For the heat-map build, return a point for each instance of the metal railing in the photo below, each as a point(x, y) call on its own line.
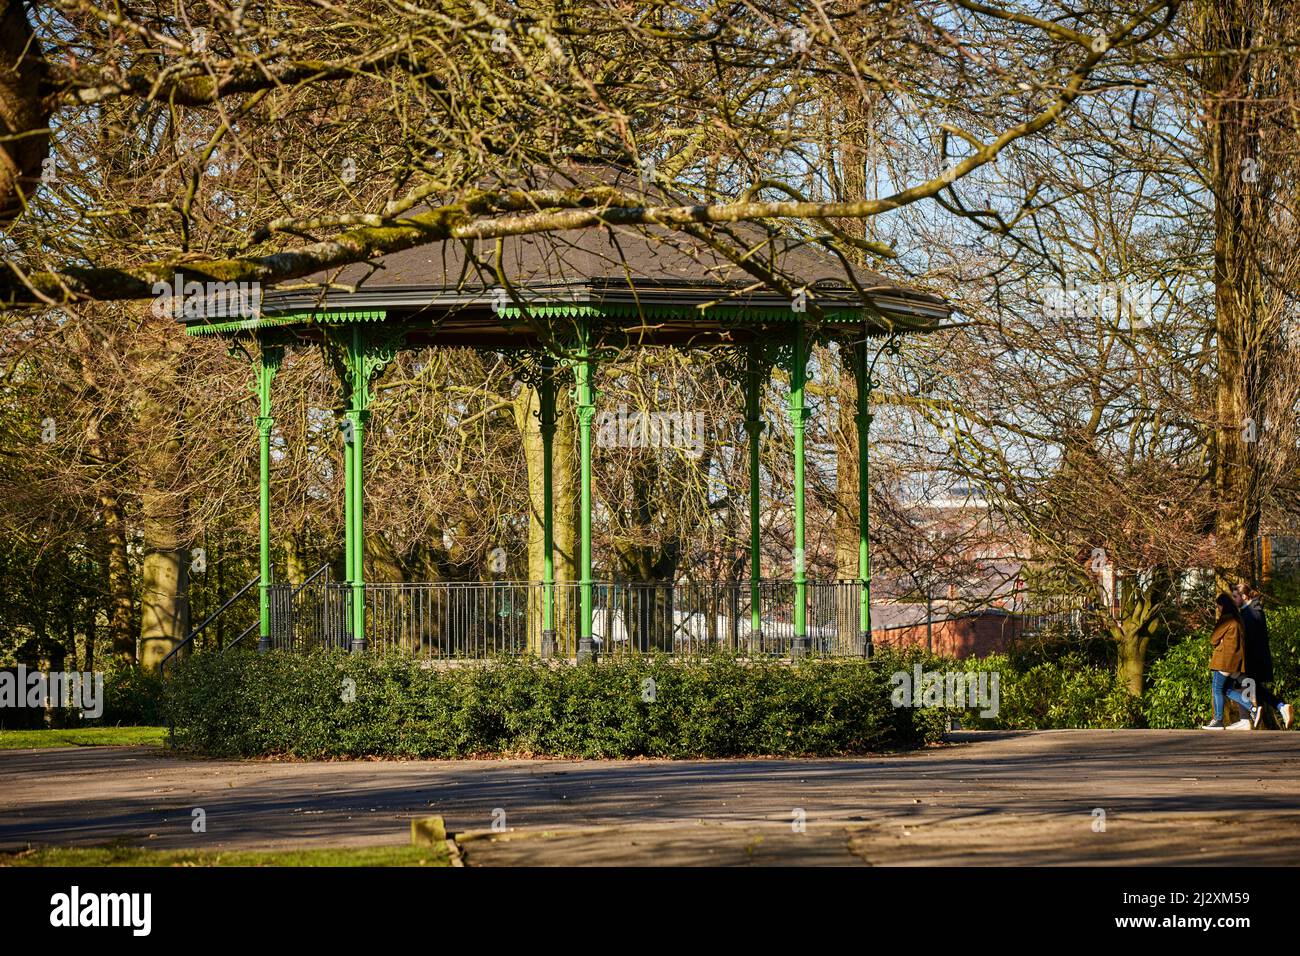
point(459, 620)
point(281, 598)
point(696, 617)
point(450, 620)
point(189, 638)
point(475, 620)
point(286, 593)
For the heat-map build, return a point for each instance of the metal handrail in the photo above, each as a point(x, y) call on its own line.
point(189, 639)
point(296, 591)
point(248, 630)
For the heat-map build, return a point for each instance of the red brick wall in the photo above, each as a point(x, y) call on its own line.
point(972, 636)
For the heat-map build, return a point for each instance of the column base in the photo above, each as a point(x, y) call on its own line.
point(263, 644)
point(862, 644)
point(800, 647)
point(548, 644)
point(358, 646)
point(756, 641)
point(586, 649)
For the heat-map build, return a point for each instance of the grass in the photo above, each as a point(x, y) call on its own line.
point(83, 737)
point(122, 855)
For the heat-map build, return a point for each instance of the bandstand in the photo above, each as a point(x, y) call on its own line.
point(558, 304)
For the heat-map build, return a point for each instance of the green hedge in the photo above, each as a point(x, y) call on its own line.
point(1069, 692)
point(252, 705)
point(1178, 686)
point(1284, 639)
point(133, 697)
point(244, 705)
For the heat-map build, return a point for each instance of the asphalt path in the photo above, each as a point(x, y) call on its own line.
point(1046, 797)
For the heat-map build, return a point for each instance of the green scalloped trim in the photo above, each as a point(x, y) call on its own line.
point(560, 310)
point(720, 312)
point(328, 317)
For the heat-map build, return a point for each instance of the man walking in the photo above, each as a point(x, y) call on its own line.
point(1259, 657)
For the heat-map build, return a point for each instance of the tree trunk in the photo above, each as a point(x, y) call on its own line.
point(1138, 617)
point(164, 608)
point(847, 508)
point(295, 561)
point(846, 478)
point(105, 452)
point(121, 597)
point(22, 110)
point(88, 659)
point(1233, 147)
point(564, 505)
point(1132, 661)
point(164, 605)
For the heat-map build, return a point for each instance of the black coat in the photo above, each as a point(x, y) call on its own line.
point(1259, 658)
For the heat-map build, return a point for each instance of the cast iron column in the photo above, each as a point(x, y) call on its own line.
point(268, 364)
point(798, 419)
point(864, 497)
point(754, 429)
point(546, 420)
point(586, 408)
point(354, 436)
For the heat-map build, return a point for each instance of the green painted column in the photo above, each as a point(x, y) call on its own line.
point(268, 364)
point(358, 534)
point(347, 428)
point(359, 353)
point(798, 421)
point(864, 497)
point(354, 435)
point(584, 372)
point(546, 420)
point(754, 430)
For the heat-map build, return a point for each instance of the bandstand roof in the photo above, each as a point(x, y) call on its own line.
point(647, 284)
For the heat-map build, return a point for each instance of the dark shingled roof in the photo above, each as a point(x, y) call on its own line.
point(653, 272)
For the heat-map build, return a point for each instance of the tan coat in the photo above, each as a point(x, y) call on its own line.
point(1227, 645)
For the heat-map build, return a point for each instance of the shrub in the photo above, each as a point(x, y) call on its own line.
point(1178, 685)
point(1284, 640)
point(293, 705)
point(1057, 642)
point(1064, 692)
point(1071, 691)
point(133, 697)
point(251, 704)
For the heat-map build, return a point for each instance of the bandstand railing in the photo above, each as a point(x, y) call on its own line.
point(450, 620)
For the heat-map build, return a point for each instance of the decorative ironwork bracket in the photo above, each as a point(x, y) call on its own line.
point(531, 367)
point(357, 369)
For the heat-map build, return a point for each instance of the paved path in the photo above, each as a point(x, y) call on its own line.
point(1168, 796)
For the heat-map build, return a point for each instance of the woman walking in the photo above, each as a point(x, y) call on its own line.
point(1227, 659)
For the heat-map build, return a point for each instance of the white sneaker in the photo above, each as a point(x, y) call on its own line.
point(1285, 711)
point(1213, 725)
point(1243, 724)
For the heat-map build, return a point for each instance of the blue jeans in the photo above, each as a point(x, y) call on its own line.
point(1219, 686)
